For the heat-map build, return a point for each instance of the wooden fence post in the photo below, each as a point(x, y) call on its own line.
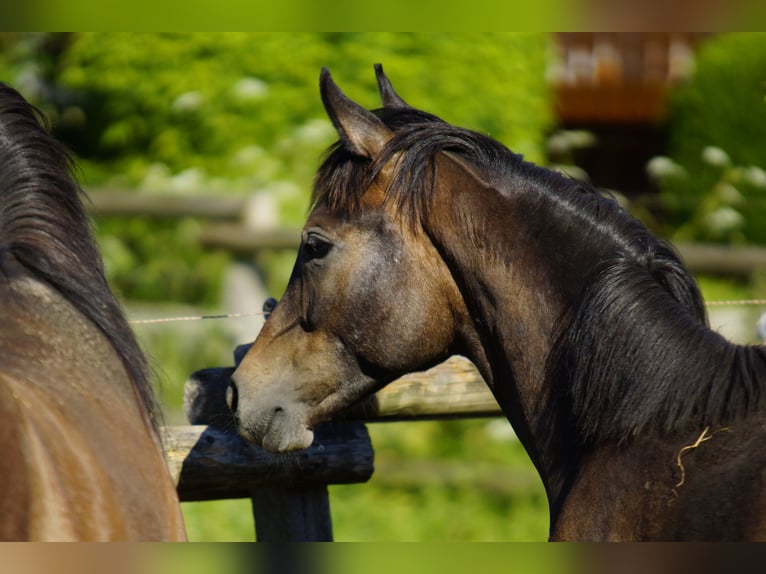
point(282, 513)
point(285, 514)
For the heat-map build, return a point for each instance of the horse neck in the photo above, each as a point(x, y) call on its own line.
point(517, 273)
point(522, 259)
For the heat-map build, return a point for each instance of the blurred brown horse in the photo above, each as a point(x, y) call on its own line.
point(427, 240)
point(79, 441)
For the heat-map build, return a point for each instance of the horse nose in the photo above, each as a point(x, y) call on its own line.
point(232, 396)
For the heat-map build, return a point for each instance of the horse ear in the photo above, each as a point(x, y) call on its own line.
point(360, 130)
point(390, 98)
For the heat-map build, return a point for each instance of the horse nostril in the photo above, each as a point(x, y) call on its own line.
point(232, 397)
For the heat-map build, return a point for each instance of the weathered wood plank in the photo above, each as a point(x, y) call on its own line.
point(243, 240)
point(127, 203)
point(211, 464)
point(453, 389)
point(699, 258)
point(722, 259)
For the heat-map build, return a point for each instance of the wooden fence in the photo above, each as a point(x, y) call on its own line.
point(289, 493)
point(227, 229)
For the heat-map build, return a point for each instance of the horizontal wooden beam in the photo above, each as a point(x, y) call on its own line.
point(244, 240)
point(722, 259)
point(211, 464)
point(699, 258)
point(453, 389)
point(127, 203)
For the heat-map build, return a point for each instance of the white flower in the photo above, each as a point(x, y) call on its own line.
point(760, 328)
point(564, 141)
point(191, 179)
point(188, 101)
point(725, 219)
point(715, 156)
point(248, 89)
point(756, 176)
point(315, 131)
point(661, 167)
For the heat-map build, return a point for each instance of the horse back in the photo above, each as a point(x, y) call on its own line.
point(690, 487)
point(81, 459)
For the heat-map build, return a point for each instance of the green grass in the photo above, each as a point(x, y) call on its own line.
point(724, 289)
point(219, 521)
point(389, 509)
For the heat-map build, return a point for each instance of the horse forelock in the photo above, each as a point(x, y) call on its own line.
point(44, 226)
point(409, 160)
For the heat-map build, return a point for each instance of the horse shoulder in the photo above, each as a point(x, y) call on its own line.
point(15, 491)
point(94, 469)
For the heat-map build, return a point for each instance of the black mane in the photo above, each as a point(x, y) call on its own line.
point(44, 226)
point(616, 365)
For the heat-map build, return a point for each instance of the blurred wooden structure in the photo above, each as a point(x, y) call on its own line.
point(615, 85)
point(604, 77)
point(227, 228)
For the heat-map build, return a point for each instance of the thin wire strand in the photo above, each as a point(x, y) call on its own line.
point(194, 318)
point(736, 302)
point(730, 303)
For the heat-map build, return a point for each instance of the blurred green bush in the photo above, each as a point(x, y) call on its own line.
point(239, 112)
point(717, 129)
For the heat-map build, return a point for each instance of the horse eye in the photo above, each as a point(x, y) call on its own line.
point(316, 247)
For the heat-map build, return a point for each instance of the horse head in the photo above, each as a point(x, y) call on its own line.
point(369, 298)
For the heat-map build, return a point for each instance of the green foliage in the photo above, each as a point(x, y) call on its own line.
point(722, 106)
point(146, 258)
point(484, 507)
point(6, 66)
point(382, 510)
point(720, 213)
point(219, 521)
point(178, 349)
point(245, 107)
point(436, 513)
point(240, 112)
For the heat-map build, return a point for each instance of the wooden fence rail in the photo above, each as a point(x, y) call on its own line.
point(208, 463)
point(127, 203)
point(231, 232)
point(740, 261)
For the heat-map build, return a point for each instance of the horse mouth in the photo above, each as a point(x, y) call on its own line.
point(279, 433)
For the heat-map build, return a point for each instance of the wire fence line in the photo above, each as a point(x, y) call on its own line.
point(723, 303)
point(194, 318)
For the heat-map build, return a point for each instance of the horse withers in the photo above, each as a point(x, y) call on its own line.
point(427, 240)
point(81, 450)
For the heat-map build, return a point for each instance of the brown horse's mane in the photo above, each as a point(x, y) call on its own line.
point(44, 227)
point(616, 366)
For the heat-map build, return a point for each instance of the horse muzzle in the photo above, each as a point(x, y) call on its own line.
point(274, 425)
